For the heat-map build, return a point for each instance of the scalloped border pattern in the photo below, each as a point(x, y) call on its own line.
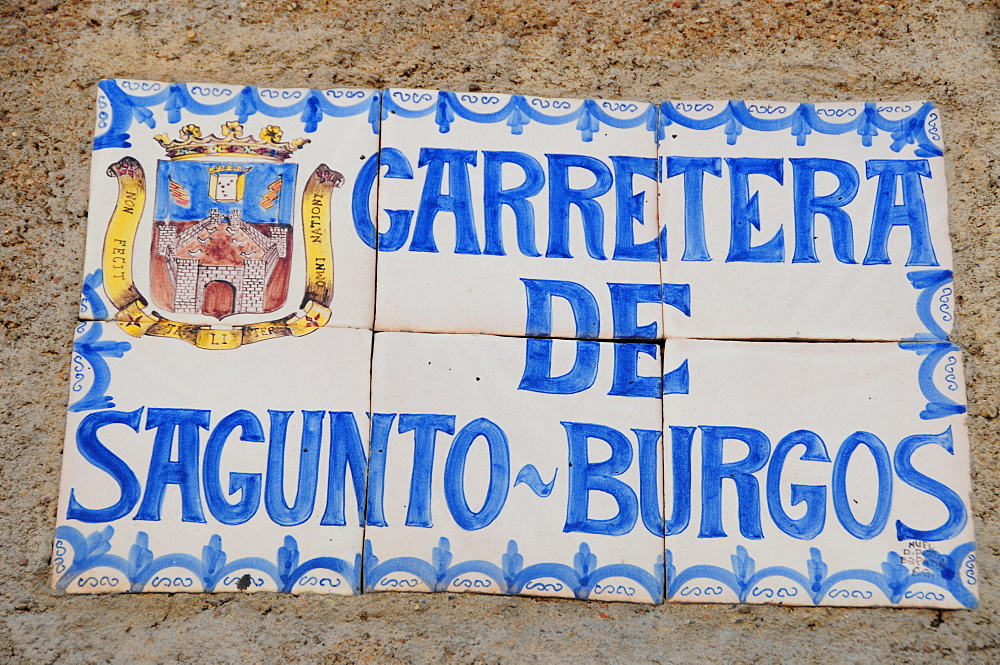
point(124, 102)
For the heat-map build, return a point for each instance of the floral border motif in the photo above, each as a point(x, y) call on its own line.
point(518, 112)
point(806, 119)
point(118, 108)
point(90, 351)
point(934, 344)
point(584, 578)
point(893, 580)
point(140, 568)
point(953, 572)
point(312, 106)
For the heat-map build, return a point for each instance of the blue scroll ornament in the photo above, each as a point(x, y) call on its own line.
point(123, 102)
point(519, 111)
point(934, 344)
point(90, 351)
point(893, 579)
point(584, 578)
point(141, 568)
point(953, 572)
point(916, 129)
point(128, 104)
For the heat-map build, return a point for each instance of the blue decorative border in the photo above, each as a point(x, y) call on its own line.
point(123, 102)
point(894, 580)
point(915, 129)
point(141, 567)
point(90, 351)
point(518, 111)
point(934, 344)
point(312, 106)
point(583, 578)
point(954, 573)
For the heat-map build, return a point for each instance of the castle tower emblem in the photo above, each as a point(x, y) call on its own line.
point(221, 240)
point(222, 232)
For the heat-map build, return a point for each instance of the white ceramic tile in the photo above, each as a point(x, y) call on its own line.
point(281, 243)
point(194, 469)
point(507, 214)
point(747, 194)
point(478, 483)
point(819, 473)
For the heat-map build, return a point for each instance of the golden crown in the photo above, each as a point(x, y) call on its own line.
point(232, 143)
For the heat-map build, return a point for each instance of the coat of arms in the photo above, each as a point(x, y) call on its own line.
point(222, 238)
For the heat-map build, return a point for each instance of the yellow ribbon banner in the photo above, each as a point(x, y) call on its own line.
point(119, 241)
point(132, 315)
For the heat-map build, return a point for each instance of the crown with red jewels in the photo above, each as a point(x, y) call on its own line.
point(232, 143)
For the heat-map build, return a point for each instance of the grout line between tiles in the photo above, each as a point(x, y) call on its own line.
point(801, 340)
point(660, 340)
point(371, 355)
point(661, 249)
point(663, 486)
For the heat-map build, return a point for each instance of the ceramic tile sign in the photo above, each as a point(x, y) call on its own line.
point(348, 341)
point(805, 221)
point(481, 481)
point(216, 205)
point(828, 474)
point(514, 215)
point(214, 470)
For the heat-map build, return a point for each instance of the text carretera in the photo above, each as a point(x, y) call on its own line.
point(472, 191)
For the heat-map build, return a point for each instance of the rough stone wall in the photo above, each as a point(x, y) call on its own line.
point(53, 52)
